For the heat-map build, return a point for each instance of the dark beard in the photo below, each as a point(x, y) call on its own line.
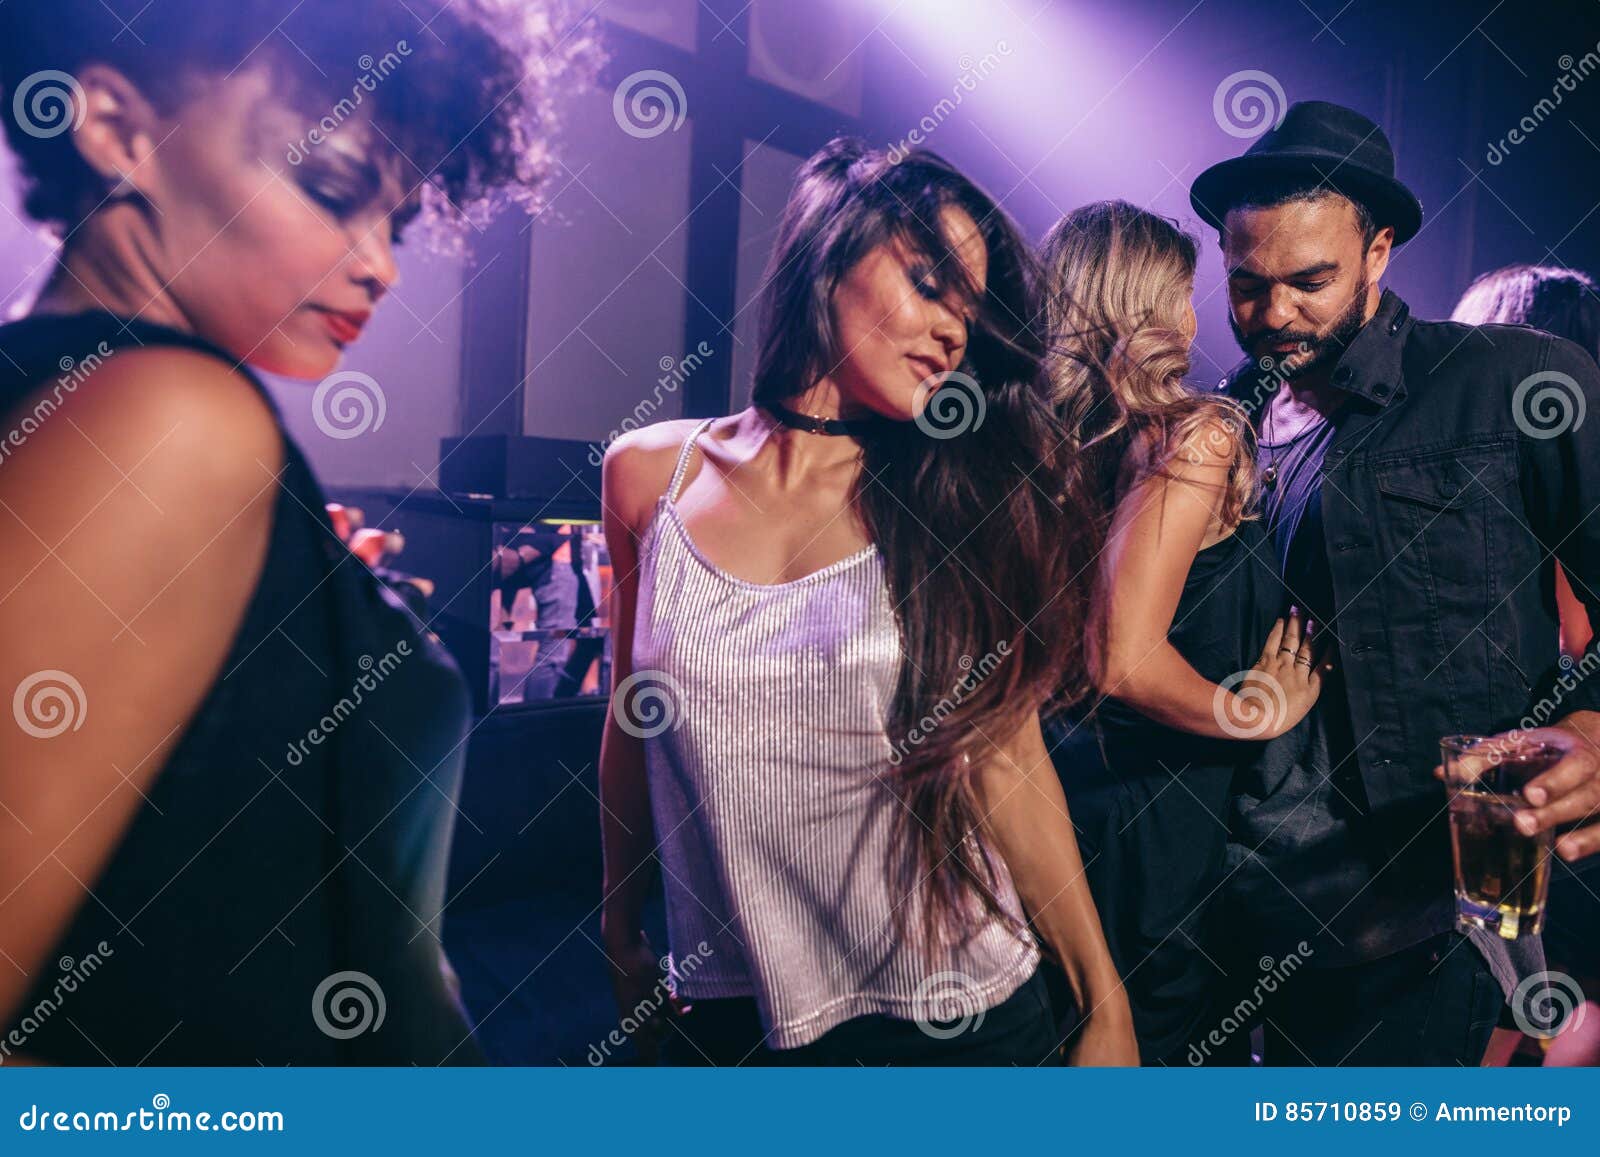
point(1316, 352)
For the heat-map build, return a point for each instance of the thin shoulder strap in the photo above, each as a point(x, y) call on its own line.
point(683, 460)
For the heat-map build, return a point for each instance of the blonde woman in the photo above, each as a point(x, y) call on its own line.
point(1193, 667)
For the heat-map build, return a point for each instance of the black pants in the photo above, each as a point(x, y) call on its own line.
point(1432, 1004)
point(1572, 923)
point(1020, 1030)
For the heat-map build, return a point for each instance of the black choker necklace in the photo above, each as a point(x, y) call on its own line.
point(813, 424)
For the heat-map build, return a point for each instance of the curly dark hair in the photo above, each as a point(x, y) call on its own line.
point(460, 89)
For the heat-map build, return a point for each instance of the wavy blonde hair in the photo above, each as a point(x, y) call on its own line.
point(1120, 280)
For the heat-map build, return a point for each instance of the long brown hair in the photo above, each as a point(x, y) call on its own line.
point(982, 563)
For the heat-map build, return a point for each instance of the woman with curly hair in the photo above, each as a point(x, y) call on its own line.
point(229, 781)
point(852, 598)
point(1190, 669)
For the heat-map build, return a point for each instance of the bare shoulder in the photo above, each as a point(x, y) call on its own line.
point(168, 451)
point(1215, 440)
point(166, 408)
point(638, 467)
point(657, 438)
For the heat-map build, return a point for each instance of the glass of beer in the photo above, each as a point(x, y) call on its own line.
point(1501, 875)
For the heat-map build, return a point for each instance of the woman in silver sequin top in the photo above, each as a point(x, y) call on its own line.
point(838, 613)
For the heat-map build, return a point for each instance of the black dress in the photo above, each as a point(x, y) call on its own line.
point(277, 899)
point(1151, 803)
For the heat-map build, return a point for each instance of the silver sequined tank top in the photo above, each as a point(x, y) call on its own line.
point(768, 764)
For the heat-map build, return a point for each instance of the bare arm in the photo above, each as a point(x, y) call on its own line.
point(120, 595)
point(627, 829)
point(1158, 529)
point(634, 474)
point(1027, 821)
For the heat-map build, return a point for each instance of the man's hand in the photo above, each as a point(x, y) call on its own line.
point(1569, 792)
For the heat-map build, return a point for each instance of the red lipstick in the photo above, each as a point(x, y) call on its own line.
point(345, 325)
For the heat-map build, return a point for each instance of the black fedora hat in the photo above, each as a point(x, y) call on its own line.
point(1324, 142)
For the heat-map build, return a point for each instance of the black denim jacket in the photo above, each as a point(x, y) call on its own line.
point(1466, 462)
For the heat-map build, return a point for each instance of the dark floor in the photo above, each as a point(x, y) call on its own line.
point(522, 928)
point(534, 982)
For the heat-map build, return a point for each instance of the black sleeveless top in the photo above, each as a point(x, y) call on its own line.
point(278, 896)
point(1154, 848)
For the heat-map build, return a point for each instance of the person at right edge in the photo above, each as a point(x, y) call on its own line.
point(1420, 482)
